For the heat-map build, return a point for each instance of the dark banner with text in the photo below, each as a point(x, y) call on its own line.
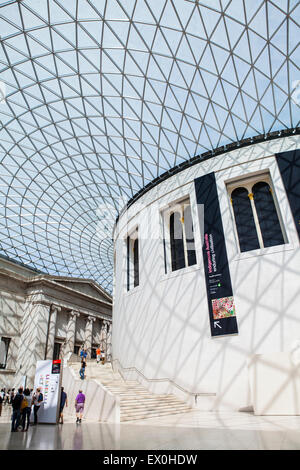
point(217, 275)
point(289, 167)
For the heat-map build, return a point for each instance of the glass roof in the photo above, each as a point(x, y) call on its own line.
point(98, 98)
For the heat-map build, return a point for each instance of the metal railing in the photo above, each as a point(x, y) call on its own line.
point(122, 369)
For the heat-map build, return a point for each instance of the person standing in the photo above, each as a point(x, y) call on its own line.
point(37, 401)
point(3, 391)
point(79, 406)
point(12, 395)
point(1, 401)
point(103, 357)
point(16, 407)
point(63, 402)
point(98, 354)
point(26, 409)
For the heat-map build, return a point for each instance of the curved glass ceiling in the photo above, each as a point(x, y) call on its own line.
point(97, 98)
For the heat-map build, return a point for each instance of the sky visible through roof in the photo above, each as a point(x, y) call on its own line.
point(98, 98)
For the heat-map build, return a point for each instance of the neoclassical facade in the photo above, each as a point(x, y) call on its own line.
point(48, 317)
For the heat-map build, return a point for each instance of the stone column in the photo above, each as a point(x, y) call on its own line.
point(89, 335)
point(103, 336)
point(33, 339)
point(51, 331)
point(71, 331)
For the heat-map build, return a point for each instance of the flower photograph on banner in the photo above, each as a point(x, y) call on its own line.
point(223, 307)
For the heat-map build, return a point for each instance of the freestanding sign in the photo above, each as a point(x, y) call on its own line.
point(217, 275)
point(48, 379)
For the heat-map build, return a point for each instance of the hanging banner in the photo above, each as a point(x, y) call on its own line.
point(217, 275)
point(289, 167)
point(48, 379)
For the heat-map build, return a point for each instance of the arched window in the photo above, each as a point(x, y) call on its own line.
point(176, 239)
point(267, 214)
point(133, 277)
point(182, 243)
point(256, 215)
point(244, 220)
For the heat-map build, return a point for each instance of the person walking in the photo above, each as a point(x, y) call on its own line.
point(63, 402)
point(83, 354)
point(82, 369)
point(37, 401)
point(16, 407)
point(79, 406)
point(1, 401)
point(26, 409)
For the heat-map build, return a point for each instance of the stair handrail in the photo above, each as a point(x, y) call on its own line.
point(195, 394)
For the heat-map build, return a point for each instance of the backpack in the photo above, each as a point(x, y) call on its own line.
point(24, 403)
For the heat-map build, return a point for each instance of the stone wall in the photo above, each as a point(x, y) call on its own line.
point(37, 311)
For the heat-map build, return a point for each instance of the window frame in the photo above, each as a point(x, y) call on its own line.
point(130, 279)
point(7, 341)
point(248, 182)
point(177, 205)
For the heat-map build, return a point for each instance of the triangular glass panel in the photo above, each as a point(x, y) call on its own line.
point(184, 52)
point(210, 19)
point(30, 20)
point(160, 45)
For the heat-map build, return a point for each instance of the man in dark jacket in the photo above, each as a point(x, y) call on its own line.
point(16, 407)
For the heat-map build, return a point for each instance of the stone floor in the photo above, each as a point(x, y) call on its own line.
point(195, 430)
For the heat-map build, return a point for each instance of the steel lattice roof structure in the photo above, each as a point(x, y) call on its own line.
point(100, 97)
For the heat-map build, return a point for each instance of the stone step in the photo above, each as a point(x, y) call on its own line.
point(145, 410)
point(136, 402)
point(132, 391)
point(118, 384)
point(135, 396)
point(165, 399)
point(161, 406)
point(151, 401)
point(135, 417)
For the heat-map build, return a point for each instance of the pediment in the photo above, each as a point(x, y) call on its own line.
point(86, 287)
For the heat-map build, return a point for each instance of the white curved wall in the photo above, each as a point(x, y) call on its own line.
point(162, 327)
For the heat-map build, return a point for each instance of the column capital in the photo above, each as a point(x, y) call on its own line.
point(74, 313)
point(56, 308)
point(91, 318)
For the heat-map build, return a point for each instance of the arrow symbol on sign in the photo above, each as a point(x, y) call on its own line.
point(217, 323)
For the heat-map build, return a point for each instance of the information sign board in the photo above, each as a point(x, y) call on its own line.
point(48, 379)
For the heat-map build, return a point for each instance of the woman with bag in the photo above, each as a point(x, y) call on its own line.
point(26, 409)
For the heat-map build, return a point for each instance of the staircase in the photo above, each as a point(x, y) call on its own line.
point(136, 402)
